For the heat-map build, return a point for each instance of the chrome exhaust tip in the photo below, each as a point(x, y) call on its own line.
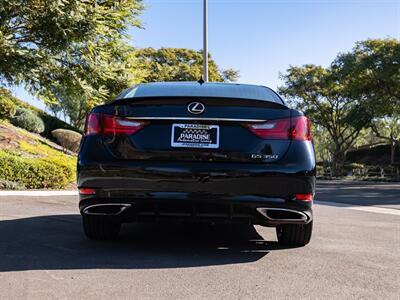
point(106, 209)
point(284, 215)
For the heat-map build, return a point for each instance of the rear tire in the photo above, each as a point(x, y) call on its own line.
point(294, 235)
point(100, 228)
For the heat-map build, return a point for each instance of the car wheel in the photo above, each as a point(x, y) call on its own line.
point(294, 235)
point(100, 228)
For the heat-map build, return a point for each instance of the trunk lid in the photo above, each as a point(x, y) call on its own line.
point(169, 130)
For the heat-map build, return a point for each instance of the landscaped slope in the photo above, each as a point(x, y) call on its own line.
point(31, 161)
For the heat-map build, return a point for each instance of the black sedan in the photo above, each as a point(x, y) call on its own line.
point(197, 152)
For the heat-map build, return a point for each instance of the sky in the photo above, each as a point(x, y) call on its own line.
point(262, 38)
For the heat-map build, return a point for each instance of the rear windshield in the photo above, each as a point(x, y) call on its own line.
point(209, 90)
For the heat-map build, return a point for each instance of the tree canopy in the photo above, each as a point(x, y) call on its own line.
point(68, 50)
point(179, 64)
point(372, 73)
point(316, 91)
point(359, 90)
point(75, 54)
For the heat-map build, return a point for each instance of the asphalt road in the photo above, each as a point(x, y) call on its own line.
point(360, 193)
point(354, 254)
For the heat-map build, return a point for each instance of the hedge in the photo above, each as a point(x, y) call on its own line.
point(28, 120)
point(65, 162)
point(35, 173)
point(50, 123)
point(68, 139)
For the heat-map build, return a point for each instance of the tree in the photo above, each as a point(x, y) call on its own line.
point(96, 83)
point(179, 64)
point(388, 128)
point(68, 51)
point(372, 73)
point(319, 93)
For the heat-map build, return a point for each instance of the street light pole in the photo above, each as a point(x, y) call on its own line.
point(205, 40)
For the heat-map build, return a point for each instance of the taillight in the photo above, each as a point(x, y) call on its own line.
point(274, 129)
point(304, 197)
point(87, 191)
point(301, 129)
point(92, 125)
point(297, 128)
point(116, 125)
point(111, 125)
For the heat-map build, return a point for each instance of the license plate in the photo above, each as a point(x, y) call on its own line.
point(195, 136)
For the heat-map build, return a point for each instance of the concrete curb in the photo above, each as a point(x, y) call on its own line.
point(38, 193)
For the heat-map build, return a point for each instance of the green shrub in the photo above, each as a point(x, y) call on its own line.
point(354, 166)
point(10, 185)
point(33, 173)
point(51, 123)
point(7, 108)
point(320, 170)
point(67, 138)
point(66, 166)
point(65, 163)
point(28, 120)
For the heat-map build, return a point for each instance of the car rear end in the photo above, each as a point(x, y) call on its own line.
point(197, 153)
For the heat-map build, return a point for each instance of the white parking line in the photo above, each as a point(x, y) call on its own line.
point(372, 209)
point(38, 193)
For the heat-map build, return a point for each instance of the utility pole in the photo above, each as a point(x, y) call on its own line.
point(205, 41)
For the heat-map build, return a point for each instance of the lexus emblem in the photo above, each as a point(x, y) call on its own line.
point(196, 108)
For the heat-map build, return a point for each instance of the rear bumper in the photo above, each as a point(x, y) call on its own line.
point(197, 191)
point(270, 212)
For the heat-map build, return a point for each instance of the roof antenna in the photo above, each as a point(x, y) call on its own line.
point(201, 81)
point(205, 40)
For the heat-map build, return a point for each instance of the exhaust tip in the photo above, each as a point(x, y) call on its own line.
point(107, 209)
point(284, 215)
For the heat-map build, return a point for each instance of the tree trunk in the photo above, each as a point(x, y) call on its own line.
point(393, 151)
point(338, 159)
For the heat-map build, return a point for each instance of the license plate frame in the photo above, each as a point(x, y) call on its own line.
point(198, 136)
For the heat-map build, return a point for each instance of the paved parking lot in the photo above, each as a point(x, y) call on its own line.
point(362, 193)
point(354, 253)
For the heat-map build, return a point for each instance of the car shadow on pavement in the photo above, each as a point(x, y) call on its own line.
point(57, 242)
